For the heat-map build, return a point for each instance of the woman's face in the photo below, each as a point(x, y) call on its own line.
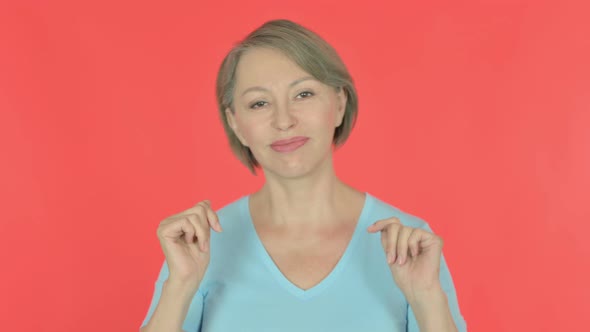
point(285, 116)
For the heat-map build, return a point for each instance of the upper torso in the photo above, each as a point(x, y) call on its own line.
point(341, 285)
point(338, 281)
point(306, 255)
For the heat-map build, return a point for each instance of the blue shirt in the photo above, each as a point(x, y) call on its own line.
point(243, 289)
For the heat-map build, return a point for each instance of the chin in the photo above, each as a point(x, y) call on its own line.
point(295, 166)
point(293, 169)
point(289, 172)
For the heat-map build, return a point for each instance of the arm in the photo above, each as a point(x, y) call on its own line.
point(172, 308)
point(185, 239)
point(428, 309)
point(420, 271)
point(432, 311)
point(175, 306)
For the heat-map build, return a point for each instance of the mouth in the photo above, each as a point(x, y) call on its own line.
point(289, 145)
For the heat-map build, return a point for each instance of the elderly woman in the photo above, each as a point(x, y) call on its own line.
point(306, 252)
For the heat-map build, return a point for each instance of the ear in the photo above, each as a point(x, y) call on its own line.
point(342, 99)
point(231, 121)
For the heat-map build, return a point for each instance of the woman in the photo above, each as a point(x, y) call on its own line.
point(306, 252)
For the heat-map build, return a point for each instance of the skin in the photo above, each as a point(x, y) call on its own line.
point(301, 186)
point(302, 205)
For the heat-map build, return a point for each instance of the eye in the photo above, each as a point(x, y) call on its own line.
point(257, 104)
point(305, 94)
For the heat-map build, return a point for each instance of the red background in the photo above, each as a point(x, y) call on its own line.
point(474, 115)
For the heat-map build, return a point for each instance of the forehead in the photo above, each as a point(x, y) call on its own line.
point(265, 66)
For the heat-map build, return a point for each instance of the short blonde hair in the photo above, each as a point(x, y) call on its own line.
point(310, 52)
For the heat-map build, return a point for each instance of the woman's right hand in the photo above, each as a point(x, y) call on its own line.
point(184, 238)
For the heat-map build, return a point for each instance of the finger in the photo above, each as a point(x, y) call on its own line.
point(414, 241)
point(189, 231)
point(201, 230)
point(192, 209)
point(429, 241)
point(212, 217)
point(204, 208)
point(205, 228)
point(389, 241)
point(174, 229)
point(194, 223)
point(402, 244)
point(381, 224)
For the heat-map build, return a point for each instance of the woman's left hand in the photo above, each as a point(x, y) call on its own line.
point(413, 255)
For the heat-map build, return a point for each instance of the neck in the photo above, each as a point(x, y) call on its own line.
point(314, 200)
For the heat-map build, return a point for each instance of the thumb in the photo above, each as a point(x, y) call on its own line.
point(381, 224)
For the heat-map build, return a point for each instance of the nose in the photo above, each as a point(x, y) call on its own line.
point(283, 119)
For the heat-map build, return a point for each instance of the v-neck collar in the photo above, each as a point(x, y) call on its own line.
point(324, 283)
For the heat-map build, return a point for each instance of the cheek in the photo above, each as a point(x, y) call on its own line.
point(325, 118)
point(252, 131)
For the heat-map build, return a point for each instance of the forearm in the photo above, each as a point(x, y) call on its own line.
point(432, 312)
point(172, 308)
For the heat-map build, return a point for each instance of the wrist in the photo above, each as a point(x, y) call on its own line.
point(431, 309)
point(425, 294)
point(180, 288)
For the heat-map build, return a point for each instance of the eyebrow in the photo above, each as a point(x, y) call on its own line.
point(295, 82)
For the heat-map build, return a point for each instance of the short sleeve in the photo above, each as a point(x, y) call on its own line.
point(449, 288)
point(192, 323)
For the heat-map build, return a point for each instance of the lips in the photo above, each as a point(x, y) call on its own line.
point(290, 144)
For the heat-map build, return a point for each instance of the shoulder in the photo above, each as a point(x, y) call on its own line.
point(234, 216)
point(234, 209)
point(382, 210)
